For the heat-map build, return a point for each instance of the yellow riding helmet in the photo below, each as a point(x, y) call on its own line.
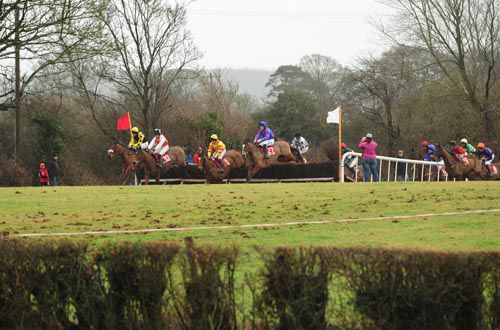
point(214, 137)
point(135, 129)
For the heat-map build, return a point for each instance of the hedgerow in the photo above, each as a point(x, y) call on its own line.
point(63, 285)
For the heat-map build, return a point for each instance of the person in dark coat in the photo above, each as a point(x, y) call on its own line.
point(54, 170)
point(401, 168)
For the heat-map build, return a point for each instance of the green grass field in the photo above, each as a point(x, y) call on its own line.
point(78, 209)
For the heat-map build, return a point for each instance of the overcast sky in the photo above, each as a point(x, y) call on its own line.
point(264, 34)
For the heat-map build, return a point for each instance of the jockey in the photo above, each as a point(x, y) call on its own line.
point(159, 146)
point(486, 156)
point(459, 153)
point(430, 150)
point(217, 151)
point(137, 138)
point(469, 148)
point(264, 138)
point(349, 161)
point(299, 146)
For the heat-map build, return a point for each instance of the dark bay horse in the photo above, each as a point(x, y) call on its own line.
point(211, 169)
point(456, 169)
point(176, 158)
point(255, 160)
point(130, 160)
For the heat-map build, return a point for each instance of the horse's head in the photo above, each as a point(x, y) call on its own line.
point(112, 151)
point(243, 151)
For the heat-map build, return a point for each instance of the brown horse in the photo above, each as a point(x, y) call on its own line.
point(130, 160)
point(456, 169)
point(255, 160)
point(176, 158)
point(211, 169)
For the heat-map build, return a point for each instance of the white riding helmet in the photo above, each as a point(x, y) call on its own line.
point(464, 140)
point(157, 131)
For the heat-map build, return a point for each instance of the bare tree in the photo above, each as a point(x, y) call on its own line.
point(380, 85)
point(40, 34)
point(462, 36)
point(151, 50)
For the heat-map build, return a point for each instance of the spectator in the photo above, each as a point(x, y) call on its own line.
point(189, 155)
point(54, 170)
point(350, 160)
point(368, 147)
point(197, 155)
point(43, 175)
point(401, 168)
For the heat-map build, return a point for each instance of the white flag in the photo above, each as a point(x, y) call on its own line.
point(333, 116)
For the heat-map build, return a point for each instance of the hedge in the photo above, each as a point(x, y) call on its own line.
point(64, 285)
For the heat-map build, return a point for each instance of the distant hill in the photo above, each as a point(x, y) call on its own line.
point(250, 81)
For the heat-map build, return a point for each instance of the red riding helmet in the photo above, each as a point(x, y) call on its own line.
point(343, 145)
point(425, 144)
point(480, 145)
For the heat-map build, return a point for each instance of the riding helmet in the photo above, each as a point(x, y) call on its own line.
point(157, 131)
point(262, 123)
point(214, 137)
point(425, 144)
point(135, 129)
point(464, 140)
point(480, 145)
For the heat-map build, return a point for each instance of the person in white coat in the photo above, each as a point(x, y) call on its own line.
point(299, 146)
point(159, 145)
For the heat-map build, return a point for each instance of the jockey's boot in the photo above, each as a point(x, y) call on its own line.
point(266, 152)
point(488, 170)
point(158, 160)
point(221, 168)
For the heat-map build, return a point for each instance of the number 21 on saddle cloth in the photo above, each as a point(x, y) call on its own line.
point(270, 150)
point(165, 159)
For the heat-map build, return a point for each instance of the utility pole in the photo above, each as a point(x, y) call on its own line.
point(17, 147)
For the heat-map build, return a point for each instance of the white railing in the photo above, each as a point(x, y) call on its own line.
point(388, 176)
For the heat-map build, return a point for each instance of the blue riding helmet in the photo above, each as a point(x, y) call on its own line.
point(432, 147)
point(262, 123)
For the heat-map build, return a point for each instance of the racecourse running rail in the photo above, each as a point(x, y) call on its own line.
point(424, 172)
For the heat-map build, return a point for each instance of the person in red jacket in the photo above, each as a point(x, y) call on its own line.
point(43, 174)
point(196, 156)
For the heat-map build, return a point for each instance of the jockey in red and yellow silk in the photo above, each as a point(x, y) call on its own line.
point(217, 151)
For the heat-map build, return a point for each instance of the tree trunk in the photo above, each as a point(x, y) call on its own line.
point(488, 127)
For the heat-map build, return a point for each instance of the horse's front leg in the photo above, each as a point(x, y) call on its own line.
point(251, 172)
point(146, 176)
point(125, 176)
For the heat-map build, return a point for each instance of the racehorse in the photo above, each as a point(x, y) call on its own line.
point(456, 169)
point(255, 160)
point(130, 160)
point(210, 168)
point(175, 157)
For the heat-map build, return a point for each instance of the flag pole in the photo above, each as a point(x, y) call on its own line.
point(129, 125)
point(340, 141)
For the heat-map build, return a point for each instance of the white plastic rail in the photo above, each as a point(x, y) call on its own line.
point(387, 176)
